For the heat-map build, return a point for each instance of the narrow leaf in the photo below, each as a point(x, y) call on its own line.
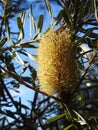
point(19, 59)
point(7, 27)
point(34, 58)
point(2, 42)
point(17, 85)
point(23, 16)
point(20, 26)
point(59, 17)
point(49, 8)
point(70, 126)
point(40, 23)
point(56, 118)
point(32, 22)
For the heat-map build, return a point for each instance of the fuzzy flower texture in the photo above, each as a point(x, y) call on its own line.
point(57, 62)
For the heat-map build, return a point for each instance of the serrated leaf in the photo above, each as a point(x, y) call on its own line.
point(56, 118)
point(40, 23)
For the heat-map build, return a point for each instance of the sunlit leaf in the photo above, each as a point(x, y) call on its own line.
point(80, 119)
point(19, 59)
point(70, 126)
point(49, 8)
point(32, 22)
point(24, 68)
point(56, 118)
point(32, 57)
point(23, 17)
point(21, 29)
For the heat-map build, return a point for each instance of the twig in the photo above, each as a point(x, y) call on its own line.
point(20, 80)
point(87, 68)
point(19, 45)
point(11, 98)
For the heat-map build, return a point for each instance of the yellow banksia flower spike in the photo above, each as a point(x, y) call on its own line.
point(57, 62)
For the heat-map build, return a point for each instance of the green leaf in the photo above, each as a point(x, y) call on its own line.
point(28, 46)
point(20, 26)
point(66, 17)
point(16, 85)
point(33, 73)
point(2, 42)
point(25, 67)
point(19, 22)
point(23, 16)
point(32, 57)
point(32, 22)
point(40, 23)
point(7, 27)
point(95, 10)
point(20, 61)
point(13, 55)
point(49, 8)
point(27, 79)
point(70, 126)
point(56, 118)
point(59, 17)
point(80, 119)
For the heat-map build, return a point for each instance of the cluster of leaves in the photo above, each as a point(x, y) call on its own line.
point(16, 67)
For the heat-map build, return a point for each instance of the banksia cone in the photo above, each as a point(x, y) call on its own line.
point(57, 63)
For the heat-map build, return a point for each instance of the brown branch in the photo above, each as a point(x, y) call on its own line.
point(19, 45)
point(87, 68)
point(20, 80)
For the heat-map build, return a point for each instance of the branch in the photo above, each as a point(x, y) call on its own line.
point(20, 80)
point(87, 68)
point(11, 98)
point(19, 45)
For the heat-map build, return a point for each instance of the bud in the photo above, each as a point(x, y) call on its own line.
point(57, 63)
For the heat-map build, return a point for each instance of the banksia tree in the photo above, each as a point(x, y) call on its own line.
point(57, 62)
